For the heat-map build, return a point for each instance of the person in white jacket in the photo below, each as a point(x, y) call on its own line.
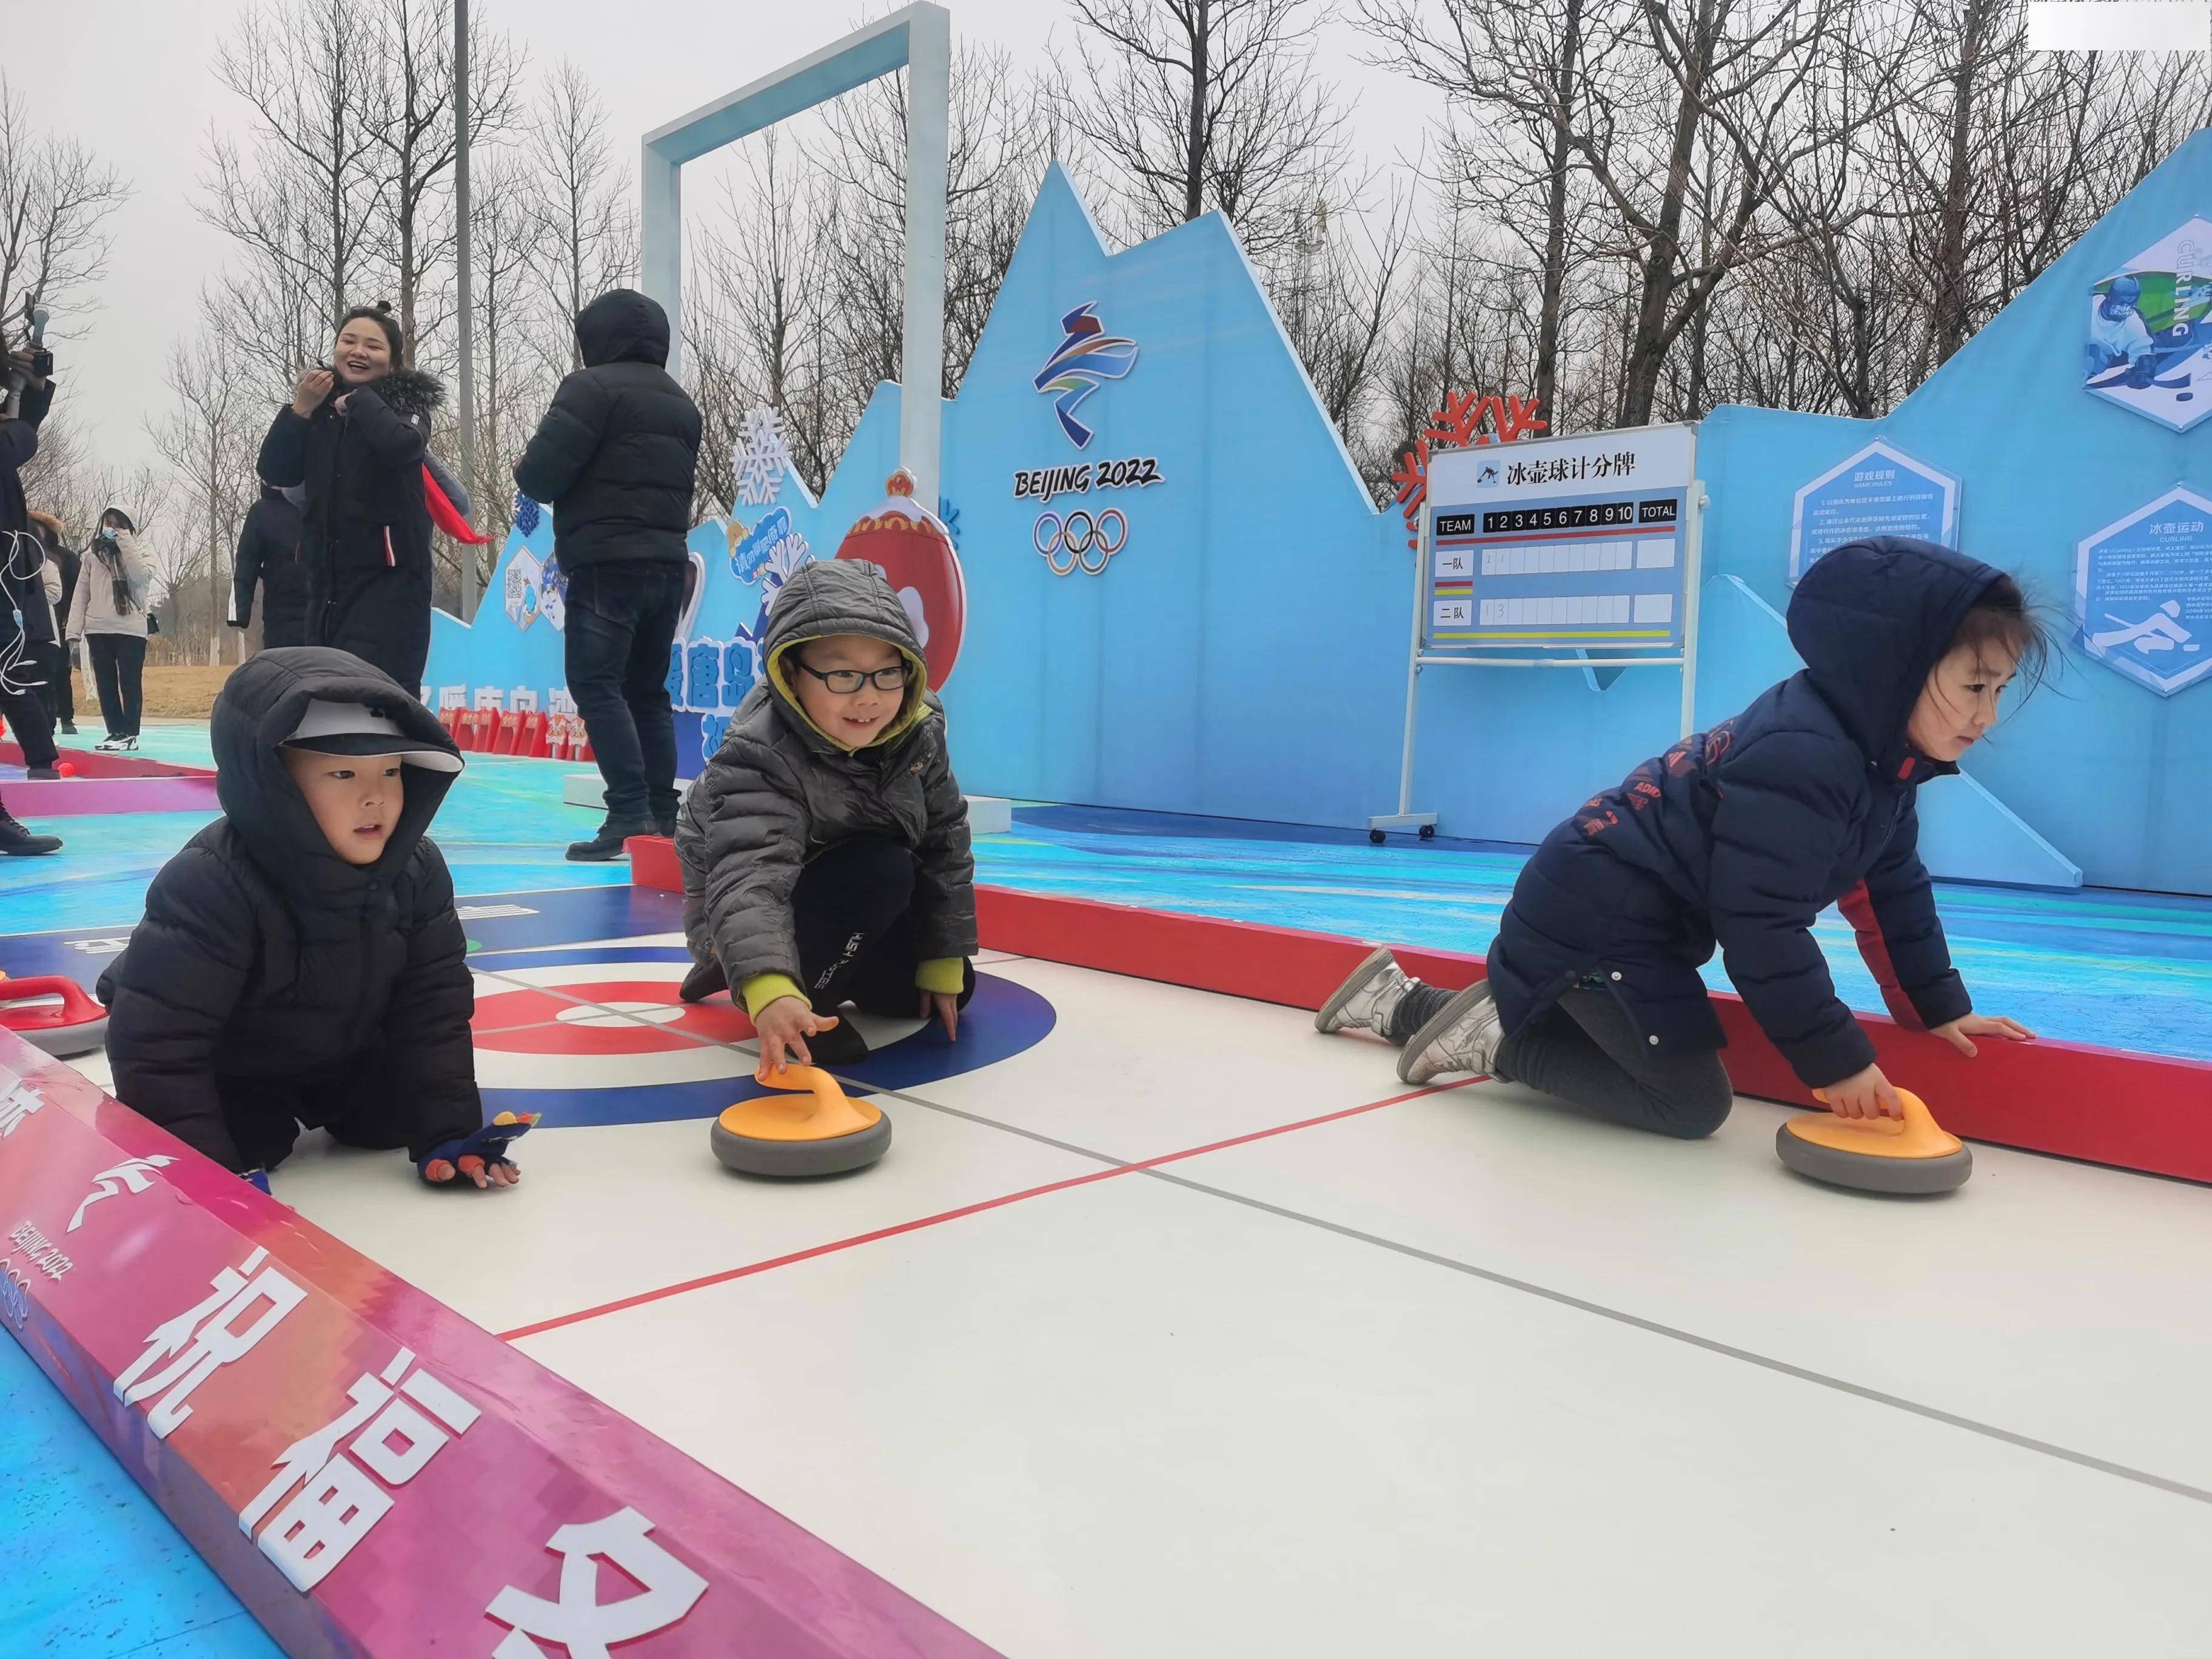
point(108, 615)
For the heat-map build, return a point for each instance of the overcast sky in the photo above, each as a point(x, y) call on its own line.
point(131, 78)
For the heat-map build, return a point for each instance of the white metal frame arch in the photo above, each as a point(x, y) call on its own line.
point(917, 37)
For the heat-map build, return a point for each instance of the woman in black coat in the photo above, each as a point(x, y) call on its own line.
point(354, 435)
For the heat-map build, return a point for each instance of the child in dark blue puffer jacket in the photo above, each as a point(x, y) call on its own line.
point(1737, 838)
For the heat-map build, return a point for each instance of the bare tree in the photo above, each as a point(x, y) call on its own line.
point(415, 139)
point(1517, 76)
point(588, 233)
point(1000, 134)
point(1193, 105)
point(306, 203)
point(510, 361)
point(56, 196)
point(757, 301)
point(207, 437)
point(1338, 296)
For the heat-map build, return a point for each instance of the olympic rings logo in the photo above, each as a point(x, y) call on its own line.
point(1080, 538)
point(14, 1296)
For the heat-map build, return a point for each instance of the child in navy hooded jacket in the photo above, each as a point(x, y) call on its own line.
point(1737, 838)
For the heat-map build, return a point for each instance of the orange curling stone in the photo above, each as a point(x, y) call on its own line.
point(1876, 1154)
point(814, 1130)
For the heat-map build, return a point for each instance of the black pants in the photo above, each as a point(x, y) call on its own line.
point(853, 910)
point(119, 670)
point(621, 623)
point(356, 1102)
point(57, 695)
point(382, 616)
point(1584, 1049)
point(27, 722)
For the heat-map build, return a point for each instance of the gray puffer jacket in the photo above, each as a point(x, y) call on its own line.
point(780, 791)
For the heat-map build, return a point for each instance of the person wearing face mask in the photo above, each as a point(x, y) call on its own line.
point(108, 617)
point(355, 438)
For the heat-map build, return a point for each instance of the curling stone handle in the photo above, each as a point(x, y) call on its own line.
point(77, 1004)
point(807, 1079)
point(1917, 1116)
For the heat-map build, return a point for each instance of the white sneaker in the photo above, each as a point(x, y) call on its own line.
point(108, 745)
point(126, 743)
point(1368, 998)
point(1464, 1036)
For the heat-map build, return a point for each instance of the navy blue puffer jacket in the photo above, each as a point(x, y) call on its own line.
point(1738, 837)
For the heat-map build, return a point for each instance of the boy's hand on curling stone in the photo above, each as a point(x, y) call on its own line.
point(1863, 1094)
point(1960, 1032)
point(784, 1026)
point(945, 1008)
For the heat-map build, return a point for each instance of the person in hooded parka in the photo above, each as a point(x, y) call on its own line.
point(300, 962)
point(1736, 839)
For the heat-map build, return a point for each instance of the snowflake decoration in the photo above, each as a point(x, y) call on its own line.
point(1458, 425)
point(949, 516)
point(761, 459)
point(526, 514)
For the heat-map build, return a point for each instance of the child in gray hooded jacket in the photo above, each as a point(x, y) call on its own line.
point(825, 847)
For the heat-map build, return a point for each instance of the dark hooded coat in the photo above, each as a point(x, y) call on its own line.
point(269, 558)
point(618, 451)
point(362, 471)
point(1739, 836)
point(268, 967)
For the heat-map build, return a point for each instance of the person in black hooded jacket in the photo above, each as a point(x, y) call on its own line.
point(1737, 838)
point(22, 555)
point(301, 962)
point(616, 456)
point(354, 435)
point(269, 558)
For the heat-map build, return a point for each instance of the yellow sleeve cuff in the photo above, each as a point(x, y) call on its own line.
point(943, 974)
point(764, 988)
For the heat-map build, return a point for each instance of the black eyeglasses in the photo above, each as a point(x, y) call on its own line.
point(845, 681)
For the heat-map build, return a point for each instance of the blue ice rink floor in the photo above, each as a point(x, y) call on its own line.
point(2124, 971)
point(89, 1567)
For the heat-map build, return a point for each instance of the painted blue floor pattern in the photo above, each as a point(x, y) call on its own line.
point(90, 1568)
point(2119, 969)
point(2125, 970)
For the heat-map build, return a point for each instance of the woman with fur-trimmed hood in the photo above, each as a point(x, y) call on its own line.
point(355, 436)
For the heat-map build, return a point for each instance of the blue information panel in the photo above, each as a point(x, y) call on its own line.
point(2142, 592)
point(1879, 491)
point(1571, 544)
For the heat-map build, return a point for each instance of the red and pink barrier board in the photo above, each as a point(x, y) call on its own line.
point(109, 783)
point(371, 1474)
point(2136, 1111)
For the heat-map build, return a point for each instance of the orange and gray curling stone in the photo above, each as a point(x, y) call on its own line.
point(54, 1013)
point(816, 1130)
point(1876, 1154)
